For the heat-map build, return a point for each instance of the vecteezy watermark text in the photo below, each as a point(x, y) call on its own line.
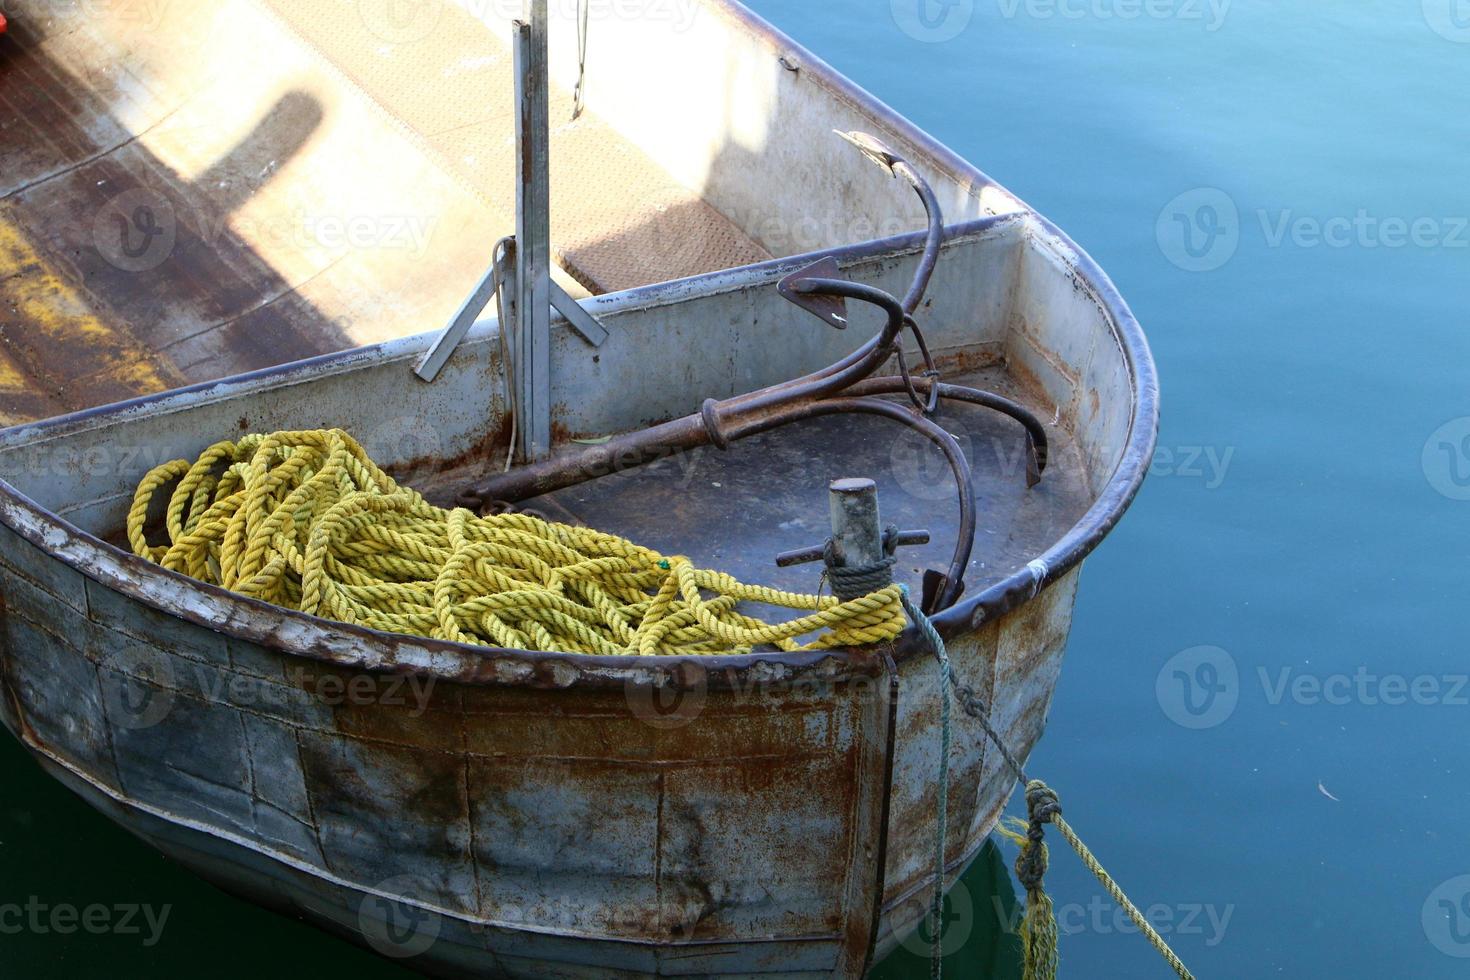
point(1201, 230)
point(1201, 687)
point(145, 696)
point(936, 21)
point(42, 918)
point(1210, 14)
point(1101, 916)
point(139, 230)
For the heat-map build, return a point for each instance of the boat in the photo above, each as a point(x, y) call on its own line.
point(475, 811)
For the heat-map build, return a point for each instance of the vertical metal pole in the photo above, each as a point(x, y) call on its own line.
point(533, 236)
point(857, 535)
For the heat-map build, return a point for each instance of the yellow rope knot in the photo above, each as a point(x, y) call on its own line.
point(1039, 925)
point(307, 521)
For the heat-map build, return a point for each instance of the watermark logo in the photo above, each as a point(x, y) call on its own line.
point(1202, 686)
point(1199, 231)
point(395, 922)
point(955, 923)
point(1199, 688)
point(1450, 19)
point(671, 705)
point(1446, 917)
point(1101, 916)
point(1446, 459)
point(933, 21)
point(1210, 13)
point(44, 919)
point(410, 446)
point(401, 21)
point(922, 471)
point(136, 231)
point(143, 697)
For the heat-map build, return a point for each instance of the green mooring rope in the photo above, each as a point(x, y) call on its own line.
point(941, 821)
point(1039, 926)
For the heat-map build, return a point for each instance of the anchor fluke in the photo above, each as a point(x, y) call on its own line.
point(828, 307)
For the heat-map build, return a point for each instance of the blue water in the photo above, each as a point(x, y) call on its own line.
point(1322, 540)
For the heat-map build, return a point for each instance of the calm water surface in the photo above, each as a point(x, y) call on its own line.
point(1262, 724)
point(1306, 516)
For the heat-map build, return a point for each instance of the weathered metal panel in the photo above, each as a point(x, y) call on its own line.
point(1012, 664)
point(519, 813)
point(1027, 662)
point(130, 624)
point(58, 694)
point(1103, 411)
point(1085, 372)
point(387, 810)
point(52, 687)
point(24, 560)
point(916, 761)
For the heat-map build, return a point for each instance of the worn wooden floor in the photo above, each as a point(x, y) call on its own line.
point(194, 190)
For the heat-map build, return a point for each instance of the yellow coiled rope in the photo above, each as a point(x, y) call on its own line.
point(306, 520)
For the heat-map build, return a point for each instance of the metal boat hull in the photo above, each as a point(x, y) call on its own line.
point(562, 828)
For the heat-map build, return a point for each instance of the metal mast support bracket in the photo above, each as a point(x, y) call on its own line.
point(495, 279)
point(532, 293)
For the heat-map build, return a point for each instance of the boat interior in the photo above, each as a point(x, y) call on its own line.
point(192, 192)
point(672, 346)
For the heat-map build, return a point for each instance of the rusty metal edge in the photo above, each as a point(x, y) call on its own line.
point(880, 876)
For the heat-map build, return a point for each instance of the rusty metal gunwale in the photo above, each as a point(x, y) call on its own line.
point(1074, 546)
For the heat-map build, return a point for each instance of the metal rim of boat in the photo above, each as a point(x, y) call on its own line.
point(307, 636)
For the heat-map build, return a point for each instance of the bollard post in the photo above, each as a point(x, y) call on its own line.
point(857, 535)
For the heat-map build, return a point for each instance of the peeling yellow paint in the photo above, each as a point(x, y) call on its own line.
point(11, 376)
point(59, 354)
